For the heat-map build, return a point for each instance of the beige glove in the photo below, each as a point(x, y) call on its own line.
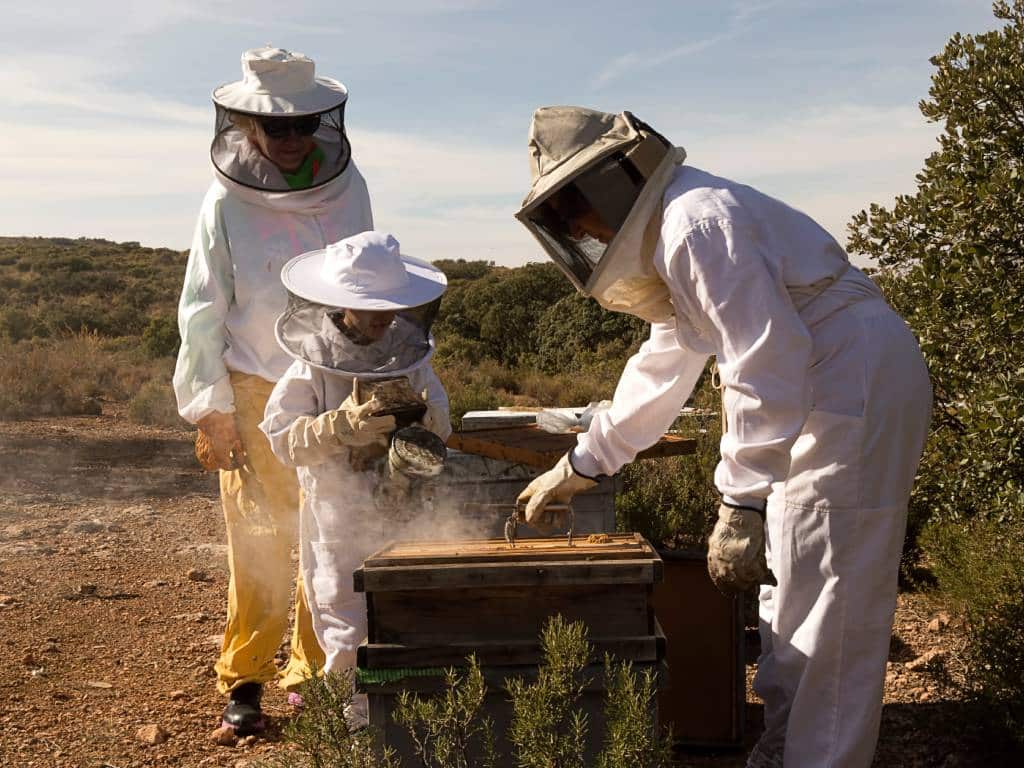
point(312, 439)
point(736, 550)
point(218, 444)
point(560, 483)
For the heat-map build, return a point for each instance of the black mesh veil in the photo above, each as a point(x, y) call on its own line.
point(578, 220)
point(571, 221)
point(317, 334)
point(236, 154)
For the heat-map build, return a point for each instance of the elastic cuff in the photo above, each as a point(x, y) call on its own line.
point(753, 504)
point(585, 463)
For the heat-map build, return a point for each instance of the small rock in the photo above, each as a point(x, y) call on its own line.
point(29, 660)
point(224, 737)
point(154, 584)
point(247, 741)
point(151, 734)
point(175, 695)
point(939, 623)
point(925, 697)
point(8, 601)
point(86, 589)
point(51, 648)
point(194, 574)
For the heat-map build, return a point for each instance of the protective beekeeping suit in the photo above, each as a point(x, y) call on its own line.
point(360, 313)
point(284, 184)
point(826, 395)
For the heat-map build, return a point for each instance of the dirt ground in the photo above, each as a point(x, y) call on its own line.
point(112, 584)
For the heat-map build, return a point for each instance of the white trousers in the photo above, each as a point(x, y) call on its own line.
point(339, 528)
point(835, 532)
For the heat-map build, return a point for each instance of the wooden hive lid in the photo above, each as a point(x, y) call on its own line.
point(617, 558)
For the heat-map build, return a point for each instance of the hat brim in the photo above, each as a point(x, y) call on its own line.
point(302, 276)
point(326, 94)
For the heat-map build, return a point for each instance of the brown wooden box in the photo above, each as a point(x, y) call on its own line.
point(705, 652)
point(438, 599)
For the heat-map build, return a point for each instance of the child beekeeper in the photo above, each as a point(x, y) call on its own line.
point(358, 322)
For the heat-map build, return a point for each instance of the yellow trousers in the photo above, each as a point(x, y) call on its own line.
point(261, 511)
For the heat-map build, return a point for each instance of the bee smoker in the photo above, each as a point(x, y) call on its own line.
point(415, 457)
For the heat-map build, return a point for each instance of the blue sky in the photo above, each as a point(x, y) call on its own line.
point(108, 119)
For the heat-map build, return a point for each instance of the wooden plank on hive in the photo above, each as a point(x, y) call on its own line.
point(530, 445)
point(466, 615)
point(522, 574)
point(619, 547)
point(501, 652)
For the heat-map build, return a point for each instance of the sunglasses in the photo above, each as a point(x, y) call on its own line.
point(281, 127)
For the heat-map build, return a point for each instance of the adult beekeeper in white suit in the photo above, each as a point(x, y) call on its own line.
point(361, 312)
point(825, 391)
point(285, 183)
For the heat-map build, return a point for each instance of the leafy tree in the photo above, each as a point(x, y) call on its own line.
point(460, 269)
point(951, 256)
point(575, 330)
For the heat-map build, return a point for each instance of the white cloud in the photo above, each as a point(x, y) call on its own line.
point(830, 163)
point(443, 199)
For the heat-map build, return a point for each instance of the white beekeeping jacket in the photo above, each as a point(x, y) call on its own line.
point(749, 278)
point(233, 292)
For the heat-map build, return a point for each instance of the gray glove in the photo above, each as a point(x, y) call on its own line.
point(736, 550)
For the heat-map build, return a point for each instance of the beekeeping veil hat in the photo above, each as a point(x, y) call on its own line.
point(279, 93)
point(365, 272)
point(614, 168)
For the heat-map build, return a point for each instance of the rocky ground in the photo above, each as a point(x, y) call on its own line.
point(112, 584)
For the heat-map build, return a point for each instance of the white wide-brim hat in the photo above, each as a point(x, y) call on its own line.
point(279, 82)
point(364, 271)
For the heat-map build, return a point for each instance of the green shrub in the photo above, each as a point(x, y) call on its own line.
point(160, 338)
point(59, 377)
point(447, 730)
point(548, 726)
point(672, 501)
point(631, 733)
point(15, 324)
point(980, 565)
point(319, 737)
point(154, 403)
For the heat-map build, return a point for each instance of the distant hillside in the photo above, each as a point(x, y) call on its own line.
point(527, 316)
point(52, 285)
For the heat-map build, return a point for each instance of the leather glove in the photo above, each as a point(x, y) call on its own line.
point(352, 424)
point(736, 550)
point(218, 444)
point(560, 483)
point(313, 439)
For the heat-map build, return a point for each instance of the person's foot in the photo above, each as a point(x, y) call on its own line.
point(243, 712)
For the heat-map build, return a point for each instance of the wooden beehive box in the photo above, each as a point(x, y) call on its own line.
point(432, 603)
